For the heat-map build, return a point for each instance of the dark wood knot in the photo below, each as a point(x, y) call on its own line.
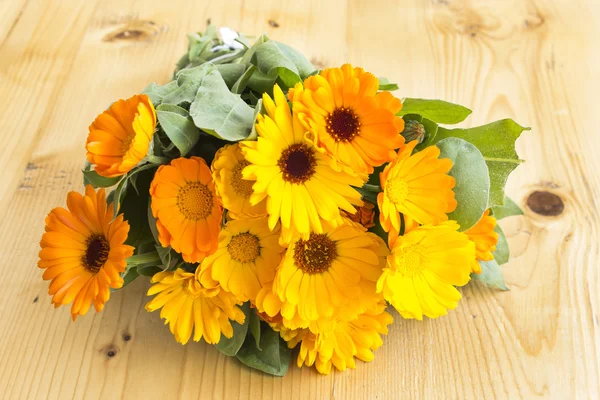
point(126, 336)
point(545, 203)
point(273, 23)
point(110, 350)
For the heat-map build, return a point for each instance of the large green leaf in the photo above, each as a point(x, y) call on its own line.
point(178, 126)
point(496, 141)
point(231, 346)
point(508, 209)
point(272, 357)
point(438, 111)
point(231, 73)
point(254, 326)
point(501, 254)
point(219, 112)
point(157, 93)
point(491, 275)
point(277, 59)
point(386, 85)
point(183, 94)
point(472, 180)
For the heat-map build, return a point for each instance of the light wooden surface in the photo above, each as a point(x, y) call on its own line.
point(537, 61)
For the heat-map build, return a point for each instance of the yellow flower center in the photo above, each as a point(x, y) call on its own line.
point(409, 260)
point(315, 255)
point(127, 142)
point(195, 201)
point(96, 253)
point(244, 247)
point(297, 163)
point(396, 190)
point(240, 185)
point(343, 124)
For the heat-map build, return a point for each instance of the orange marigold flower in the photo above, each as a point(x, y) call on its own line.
point(83, 251)
point(347, 116)
point(187, 208)
point(485, 239)
point(119, 137)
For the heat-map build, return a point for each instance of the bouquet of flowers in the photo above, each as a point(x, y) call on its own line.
point(277, 207)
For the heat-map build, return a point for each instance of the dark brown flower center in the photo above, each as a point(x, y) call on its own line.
point(315, 255)
point(96, 254)
point(343, 124)
point(297, 163)
point(195, 201)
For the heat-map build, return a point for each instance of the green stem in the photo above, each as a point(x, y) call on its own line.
point(157, 160)
point(372, 188)
point(144, 258)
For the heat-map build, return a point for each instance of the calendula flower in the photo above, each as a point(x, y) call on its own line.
point(423, 269)
point(330, 275)
point(119, 137)
point(347, 340)
point(348, 117)
point(364, 215)
point(485, 239)
point(417, 186)
point(247, 256)
point(193, 303)
point(187, 208)
point(233, 189)
point(299, 182)
point(83, 251)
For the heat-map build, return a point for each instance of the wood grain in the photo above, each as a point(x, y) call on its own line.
point(62, 62)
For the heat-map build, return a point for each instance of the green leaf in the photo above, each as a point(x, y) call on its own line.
point(304, 67)
point(385, 84)
point(219, 112)
point(231, 73)
point(501, 254)
point(509, 209)
point(91, 177)
point(369, 192)
point(230, 347)
point(472, 180)
point(273, 359)
point(276, 59)
point(157, 93)
point(496, 141)
point(200, 45)
point(374, 177)
point(183, 94)
point(261, 83)
point(254, 326)
point(491, 275)
point(239, 86)
point(439, 111)
point(178, 126)
point(139, 231)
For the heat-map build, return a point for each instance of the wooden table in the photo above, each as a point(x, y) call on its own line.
point(64, 61)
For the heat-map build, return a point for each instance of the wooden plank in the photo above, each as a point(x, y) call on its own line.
point(533, 61)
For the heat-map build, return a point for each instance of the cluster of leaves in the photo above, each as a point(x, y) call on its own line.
point(257, 345)
point(483, 157)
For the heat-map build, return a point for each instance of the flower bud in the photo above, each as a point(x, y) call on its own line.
point(413, 130)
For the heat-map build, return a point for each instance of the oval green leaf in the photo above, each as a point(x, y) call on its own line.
point(472, 180)
point(178, 126)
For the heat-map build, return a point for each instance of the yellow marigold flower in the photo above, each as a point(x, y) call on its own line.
point(425, 266)
point(233, 189)
point(485, 239)
point(330, 275)
point(348, 117)
point(187, 208)
point(349, 339)
point(189, 304)
point(364, 215)
point(247, 257)
point(119, 137)
point(291, 336)
point(83, 251)
point(300, 183)
point(417, 186)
